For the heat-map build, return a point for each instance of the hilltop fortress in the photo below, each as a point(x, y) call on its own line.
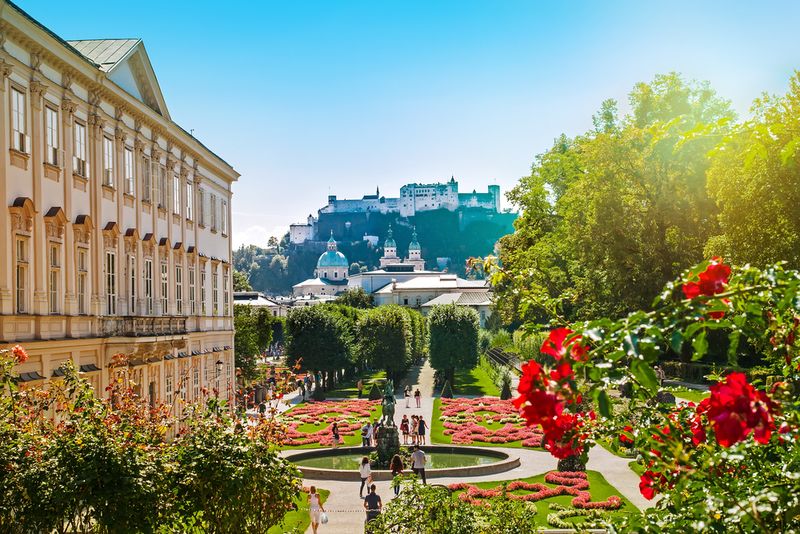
point(414, 198)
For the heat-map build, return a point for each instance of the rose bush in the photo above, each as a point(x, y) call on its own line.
point(464, 421)
point(351, 415)
point(730, 462)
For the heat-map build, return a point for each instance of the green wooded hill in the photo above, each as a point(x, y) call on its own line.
point(455, 235)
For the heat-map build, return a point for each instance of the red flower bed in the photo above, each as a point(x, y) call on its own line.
point(462, 417)
point(567, 483)
point(350, 414)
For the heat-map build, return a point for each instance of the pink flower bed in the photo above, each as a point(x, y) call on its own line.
point(350, 414)
point(462, 417)
point(567, 483)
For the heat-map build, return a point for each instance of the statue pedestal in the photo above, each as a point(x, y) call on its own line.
point(388, 439)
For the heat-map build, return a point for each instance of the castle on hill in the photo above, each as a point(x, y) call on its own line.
point(414, 198)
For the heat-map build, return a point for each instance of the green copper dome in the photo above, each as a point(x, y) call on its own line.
point(389, 240)
point(332, 258)
point(414, 245)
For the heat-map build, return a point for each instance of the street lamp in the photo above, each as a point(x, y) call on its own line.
point(219, 364)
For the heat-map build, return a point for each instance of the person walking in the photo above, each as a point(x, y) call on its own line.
point(418, 398)
point(372, 504)
point(421, 432)
point(314, 507)
point(418, 462)
point(365, 472)
point(404, 429)
point(414, 429)
point(407, 394)
point(366, 435)
point(396, 465)
point(335, 433)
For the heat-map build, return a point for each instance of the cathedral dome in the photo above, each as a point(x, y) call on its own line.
point(332, 258)
point(389, 239)
point(414, 245)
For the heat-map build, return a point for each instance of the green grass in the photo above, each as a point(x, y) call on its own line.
point(348, 389)
point(693, 395)
point(348, 441)
point(438, 435)
point(476, 382)
point(598, 487)
point(298, 521)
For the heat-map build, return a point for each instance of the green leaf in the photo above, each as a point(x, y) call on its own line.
point(700, 345)
point(603, 402)
point(645, 374)
point(676, 342)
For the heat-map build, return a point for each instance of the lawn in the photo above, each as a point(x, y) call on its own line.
point(475, 382)
point(599, 488)
point(324, 425)
point(298, 521)
point(348, 389)
point(694, 395)
point(438, 435)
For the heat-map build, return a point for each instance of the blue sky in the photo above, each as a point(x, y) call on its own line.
point(307, 99)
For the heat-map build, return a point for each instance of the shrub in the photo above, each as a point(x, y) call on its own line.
point(375, 392)
point(447, 391)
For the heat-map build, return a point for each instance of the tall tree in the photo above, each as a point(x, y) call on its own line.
point(385, 339)
point(356, 298)
point(320, 337)
point(453, 339)
point(240, 281)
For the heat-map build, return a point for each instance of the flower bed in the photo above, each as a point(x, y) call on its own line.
point(350, 414)
point(566, 483)
point(467, 421)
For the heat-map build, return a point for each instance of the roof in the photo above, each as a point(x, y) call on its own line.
point(106, 53)
point(443, 282)
point(311, 282)
point(332, 258)
point(252, 298)
point(474, 298)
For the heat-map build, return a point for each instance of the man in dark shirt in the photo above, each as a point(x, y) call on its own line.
point(372, 504)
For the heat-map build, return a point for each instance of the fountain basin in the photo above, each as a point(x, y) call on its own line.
point(443, 461)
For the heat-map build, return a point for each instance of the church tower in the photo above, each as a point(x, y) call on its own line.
point(415, 253)
point(389, 250)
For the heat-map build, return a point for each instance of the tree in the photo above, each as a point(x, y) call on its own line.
point(754, 180)
point(356, 298)
point(240, 281)
point(453, 339)
point(319, 336)
point(245, 341)
point(385, 340)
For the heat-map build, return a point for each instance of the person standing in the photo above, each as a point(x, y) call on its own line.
point(418, 462)
point(418, 398)
point(404, 429)
point(314, 507)
point(372, 504)
point(366, 435)
point(396, 465)
point(407, 394)
point(365, 472)
point(335, 433)
point(373, 434)
point(360, 386)
point(414, 429)
point(421, 432)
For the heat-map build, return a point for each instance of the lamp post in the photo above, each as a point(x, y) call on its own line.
point(218, 364)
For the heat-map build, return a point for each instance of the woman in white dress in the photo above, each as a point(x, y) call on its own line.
point(314, 507)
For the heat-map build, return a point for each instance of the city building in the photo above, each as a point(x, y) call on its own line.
point(390, 258)
point(259, 300)
point(115, 228)
point(480, 301)
point(418, 290)
point(330, 276)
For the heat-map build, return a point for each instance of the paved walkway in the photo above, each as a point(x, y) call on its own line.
point(345, 509)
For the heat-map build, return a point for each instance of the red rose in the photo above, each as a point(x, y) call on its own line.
point(710, 282)
point(736, 409)
point(559, 340)
point(647, 484)
point(624, 436)
point(19, 354)
point(690, 290)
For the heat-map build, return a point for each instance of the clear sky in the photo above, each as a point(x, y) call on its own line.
point(307, 99)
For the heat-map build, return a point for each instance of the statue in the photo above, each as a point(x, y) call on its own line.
point(388, 403)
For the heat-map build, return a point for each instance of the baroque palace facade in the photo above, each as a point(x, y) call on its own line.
point(115, 228)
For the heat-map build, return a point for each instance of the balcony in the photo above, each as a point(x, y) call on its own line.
point(142, 326)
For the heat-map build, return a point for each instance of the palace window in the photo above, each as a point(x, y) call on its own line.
point(163, 192)
point(164, 287)
point(51, 135)
point(189, 200)
point(201, 205)
point(19, 141)
point(224, 217)
point(108, 162)
point(21, 275)
point(179, 289)
point(79, 166)
point(203, 289)
point(130, 185)
point(192, 290)
point(54, 277)
point(176, 194)
point(82, 281)
point(147, 185)
point(195, 383)
point(213, 212)
point(168, 388)
point(214, 292)
point(148, 286)
point(111, 282)
point(226, 294)
point(132, 284)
